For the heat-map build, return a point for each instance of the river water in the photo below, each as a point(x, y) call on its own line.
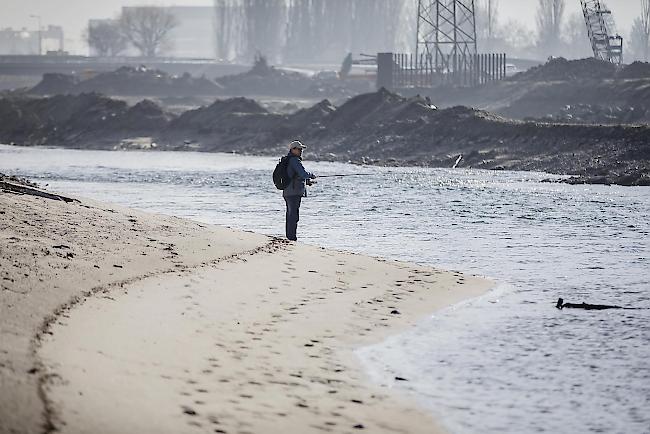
point(507, 362)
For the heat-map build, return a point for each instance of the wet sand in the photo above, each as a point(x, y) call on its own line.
point(145, 323)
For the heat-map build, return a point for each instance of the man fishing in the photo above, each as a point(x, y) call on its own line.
point(295, 190)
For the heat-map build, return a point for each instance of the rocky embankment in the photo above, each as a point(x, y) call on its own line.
point(378, 128)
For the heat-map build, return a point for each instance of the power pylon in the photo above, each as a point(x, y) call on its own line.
point(446, 32)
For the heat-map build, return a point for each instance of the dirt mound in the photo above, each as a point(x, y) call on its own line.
point(376, 128)
point(225, 115)
point(268, 81)
point(312, 118)
point(83, 108)
point(635, 70)
point(313, 115)
point(73, 119)
point(378, 108)
point(263, 79)
point(143, 81)
point(29, 119)
point(128, 81)
point(146, 115)
point(17, 119)
point(53, 84)
point(561, 69)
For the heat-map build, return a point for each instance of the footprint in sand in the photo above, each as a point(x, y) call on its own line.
point(188, 411)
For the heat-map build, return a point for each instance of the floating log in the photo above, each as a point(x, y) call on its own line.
point(561, 305)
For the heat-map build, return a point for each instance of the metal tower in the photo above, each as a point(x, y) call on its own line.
point(605, 47)
point(446, 33)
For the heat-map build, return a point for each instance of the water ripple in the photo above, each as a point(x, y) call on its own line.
point(508, 362)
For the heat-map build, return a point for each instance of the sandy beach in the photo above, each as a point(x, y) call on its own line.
point(114, 320)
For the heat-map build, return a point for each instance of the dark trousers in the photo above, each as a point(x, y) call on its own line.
point(293, 215)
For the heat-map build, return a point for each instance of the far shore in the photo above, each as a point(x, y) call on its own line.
point(378, 128)
point(116, 320)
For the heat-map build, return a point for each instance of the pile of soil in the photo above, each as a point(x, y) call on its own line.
point(270, 81)
point(86, 120)
point(583, 91)
point(226, 125)
point(635, 70)
point(436, 138)
point(561, 69)
point(376, 109)
point(629, 101)
point(258, 81)
point(377, 128)
point(145, 116)
point(313, 116)
point(54, 84)
point(223, 115)
point(128, 81)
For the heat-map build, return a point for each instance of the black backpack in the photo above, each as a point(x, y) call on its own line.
point(280, 175)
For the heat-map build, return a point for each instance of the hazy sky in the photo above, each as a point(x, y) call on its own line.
point(73, 15)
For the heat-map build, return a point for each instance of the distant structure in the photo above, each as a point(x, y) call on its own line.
point(445, 51)
point(28, 42)
point(446, 33)
point(605, 46)
point(191, 38)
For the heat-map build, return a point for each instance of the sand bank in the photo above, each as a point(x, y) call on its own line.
point(115, 320)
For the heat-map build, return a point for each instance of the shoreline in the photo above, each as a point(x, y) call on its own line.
point(562, 178)
point(317, 158)
point(337, 285)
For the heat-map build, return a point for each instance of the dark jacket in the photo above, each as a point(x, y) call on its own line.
point(298, 176)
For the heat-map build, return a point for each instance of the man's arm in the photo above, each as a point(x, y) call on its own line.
point(299, 170)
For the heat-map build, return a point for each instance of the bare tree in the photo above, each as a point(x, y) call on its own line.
point(549, 25)
point(105, 37)
point(147, 28)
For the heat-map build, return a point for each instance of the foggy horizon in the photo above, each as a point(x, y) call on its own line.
point(18, 15)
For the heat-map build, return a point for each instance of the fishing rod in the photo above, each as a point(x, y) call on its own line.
point(348, 174)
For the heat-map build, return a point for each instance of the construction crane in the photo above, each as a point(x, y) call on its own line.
point(605, 46)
